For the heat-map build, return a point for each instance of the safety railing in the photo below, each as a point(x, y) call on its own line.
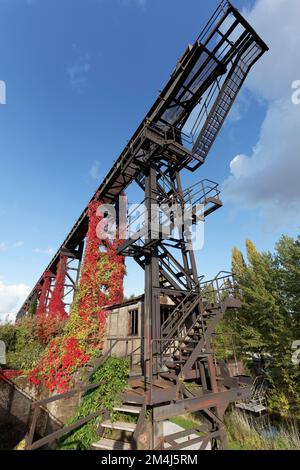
point(129, 350)
point(179, 311)
point(170, 133)
point(220, 288)
point(31, 445)
point(200, 192)
point(169, 210)
point(136, 221)
point(215, 18)
point(211, 293)
point(205, 108)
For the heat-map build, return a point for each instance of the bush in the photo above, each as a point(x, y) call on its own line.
point(26, 340)
point(112, 377)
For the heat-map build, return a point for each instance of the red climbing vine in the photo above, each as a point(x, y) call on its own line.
point(101, 284)
point(56, 305)
point(44, 292)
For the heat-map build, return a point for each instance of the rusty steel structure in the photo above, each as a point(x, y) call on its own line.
point(177, 349)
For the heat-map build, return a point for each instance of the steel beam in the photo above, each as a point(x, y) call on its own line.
point(191, 405)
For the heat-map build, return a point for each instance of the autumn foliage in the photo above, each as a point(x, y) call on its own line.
point(56, 305)
point(101, 284)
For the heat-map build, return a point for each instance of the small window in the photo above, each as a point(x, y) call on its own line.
point(133, 323)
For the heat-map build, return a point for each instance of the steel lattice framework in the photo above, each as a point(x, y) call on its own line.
point(177, 349)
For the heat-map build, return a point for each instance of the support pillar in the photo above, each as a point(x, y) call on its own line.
point(152, 324)
point(45, 294)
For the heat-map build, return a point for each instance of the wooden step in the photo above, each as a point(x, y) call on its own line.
point(135, 410)
point(132, 398)
point(119, 425)
point(138, 392)
point(108, 444)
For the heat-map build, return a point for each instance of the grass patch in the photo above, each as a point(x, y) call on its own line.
point(184, 422)
point(244, 433)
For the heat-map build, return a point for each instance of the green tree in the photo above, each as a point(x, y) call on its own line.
point(262, 318)
point(22, 345)
point(288, 266)
point(268, 322)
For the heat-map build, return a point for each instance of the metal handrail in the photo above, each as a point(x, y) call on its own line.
point(127, 339)
point(217, 14)
point(206, 188)
point(217, 288)
point(201, 285)
point(30, 445)
point(202, 190)
point(171, 133)
point(36, 406)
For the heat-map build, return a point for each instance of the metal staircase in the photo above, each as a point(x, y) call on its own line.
point(202, 198)
point(220, 109)
point(119, 434)
point(187, 330)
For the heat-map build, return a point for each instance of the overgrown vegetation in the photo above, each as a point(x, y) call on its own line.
point(101, 283)
point(26, 341)
point(269, 321)
point(112, 377)
point(246, 433)
point(186, 421)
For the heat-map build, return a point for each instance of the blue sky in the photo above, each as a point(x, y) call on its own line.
point(80, 76)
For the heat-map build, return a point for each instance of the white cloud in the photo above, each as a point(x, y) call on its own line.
point(95, 170)
point(268, 179)
point(3, 246)
point(44, 251)
point(277, 21)
point(11, 298)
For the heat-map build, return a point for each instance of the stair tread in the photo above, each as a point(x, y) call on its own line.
point(139, 393)
point(131, 398)
point(128, 409)
point(109, 444)
point(120, 425)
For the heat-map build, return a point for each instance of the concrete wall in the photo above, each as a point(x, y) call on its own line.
point(16, 398)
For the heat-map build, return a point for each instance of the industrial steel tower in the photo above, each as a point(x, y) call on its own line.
point(176, 348)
